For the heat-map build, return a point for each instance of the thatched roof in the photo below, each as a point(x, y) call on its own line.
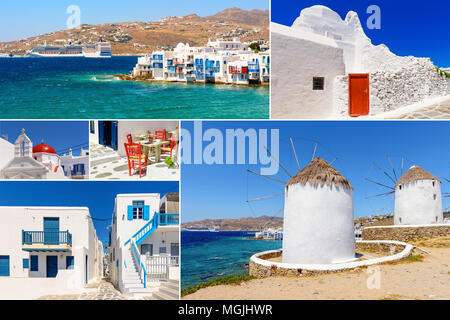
point(415, 173)
point(319, 172)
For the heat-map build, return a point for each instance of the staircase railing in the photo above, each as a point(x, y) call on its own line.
point(141, 268)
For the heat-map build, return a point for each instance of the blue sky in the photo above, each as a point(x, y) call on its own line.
point(98, 196)
point(408, 27)
point(60, 135)
point(221, 191)
point(26, 18)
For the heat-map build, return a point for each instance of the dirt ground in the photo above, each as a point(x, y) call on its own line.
point(408, 279)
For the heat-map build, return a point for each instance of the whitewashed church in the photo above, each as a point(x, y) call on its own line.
point(326, 67)
point(23, 161)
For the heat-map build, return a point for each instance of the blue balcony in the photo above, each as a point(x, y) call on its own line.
point(46, 240)
point(253, 67)
point(168, 219)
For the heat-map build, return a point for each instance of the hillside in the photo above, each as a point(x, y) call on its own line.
point(259, 223)
point(134, 38)
point(247, 223)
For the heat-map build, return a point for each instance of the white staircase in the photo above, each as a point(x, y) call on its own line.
point(168, 290)
point(132, 283)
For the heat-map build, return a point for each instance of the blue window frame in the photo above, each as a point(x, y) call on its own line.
point(138, 210)
point(26, 263)
point(69, 262)
point(4, 266)
point(34, 263)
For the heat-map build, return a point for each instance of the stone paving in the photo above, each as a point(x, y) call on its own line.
point(117, 167)
point(436, 111)
point(102, 290)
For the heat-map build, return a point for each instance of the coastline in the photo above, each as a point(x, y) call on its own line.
point(129, 77)
point(425, 276)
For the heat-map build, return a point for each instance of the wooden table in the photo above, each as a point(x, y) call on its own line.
point(147, 148)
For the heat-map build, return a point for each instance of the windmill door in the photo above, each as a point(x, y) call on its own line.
point(358, 95)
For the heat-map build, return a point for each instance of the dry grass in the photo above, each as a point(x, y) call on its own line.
point(414, 174)
point(441, 242)
point(320, 173)
point(392, 296)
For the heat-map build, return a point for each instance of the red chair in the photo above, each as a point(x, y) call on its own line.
point(136, 160)
point(168, 150)
point(160, 135)
point(130, 138)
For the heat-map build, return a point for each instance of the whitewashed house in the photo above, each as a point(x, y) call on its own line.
point(6, 152)
point(326, 67)
point(47, 250)
point(76, 167)
point(28, 162)
point(208, 64)
point(144, 245)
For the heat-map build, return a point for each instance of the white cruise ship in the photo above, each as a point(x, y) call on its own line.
point(100, 49)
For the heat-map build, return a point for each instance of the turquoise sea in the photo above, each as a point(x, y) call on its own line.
point(82, 88)
point(208, 255)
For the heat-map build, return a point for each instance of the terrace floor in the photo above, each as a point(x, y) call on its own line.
point(106, 163)
point(436, 111)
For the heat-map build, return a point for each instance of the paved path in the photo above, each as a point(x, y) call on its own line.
point(437, 111)
point(104, 291)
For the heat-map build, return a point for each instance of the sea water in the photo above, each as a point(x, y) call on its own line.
point(209, 255)
point(83, 88)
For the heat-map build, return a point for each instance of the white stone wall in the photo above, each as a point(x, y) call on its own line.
point(414, 81)
point(297, 58)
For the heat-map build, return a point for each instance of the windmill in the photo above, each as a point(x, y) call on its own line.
point(318, 213)
point(416, 193)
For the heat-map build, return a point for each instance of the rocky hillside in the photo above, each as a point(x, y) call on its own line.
point(134, 38)
point(248, 223)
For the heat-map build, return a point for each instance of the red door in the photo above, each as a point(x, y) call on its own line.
point(358, 94)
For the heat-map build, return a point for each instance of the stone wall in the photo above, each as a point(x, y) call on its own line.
point(260, 267)
point(416, 81)
point(406, 234)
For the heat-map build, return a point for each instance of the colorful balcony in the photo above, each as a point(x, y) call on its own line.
point(168, 219)
point(46, 241)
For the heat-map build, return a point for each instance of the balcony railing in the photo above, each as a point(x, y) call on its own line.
point(167, 219)
point(46, 237)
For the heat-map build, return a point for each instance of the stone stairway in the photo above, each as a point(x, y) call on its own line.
point(168, 290)
point(133, 286)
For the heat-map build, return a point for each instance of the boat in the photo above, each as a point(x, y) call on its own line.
point(202, 229)
point(100, 49)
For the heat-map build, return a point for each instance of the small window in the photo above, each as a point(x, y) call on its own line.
point(26, 263)
point(138, 209)
point(400, 219)
point(162, 250)
point(34, 263)
point(434, 196)
point(69, 262)
point(400, 187)
point(318, 83)
point(174, 249)
point(433, 183)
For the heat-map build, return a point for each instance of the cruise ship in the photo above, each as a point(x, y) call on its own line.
point(100, 49)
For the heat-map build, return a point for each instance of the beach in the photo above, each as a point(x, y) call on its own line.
point(405, 280)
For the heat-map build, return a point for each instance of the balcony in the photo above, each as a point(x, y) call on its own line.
point(46, 241)
point(168, 219)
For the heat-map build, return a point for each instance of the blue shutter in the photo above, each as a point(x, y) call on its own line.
point(26, 263)
point(146, 212)
point(4, 266)
point(130, 212)
point(34, 263)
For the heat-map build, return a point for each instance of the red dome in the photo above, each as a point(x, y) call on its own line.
point(43, 148)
